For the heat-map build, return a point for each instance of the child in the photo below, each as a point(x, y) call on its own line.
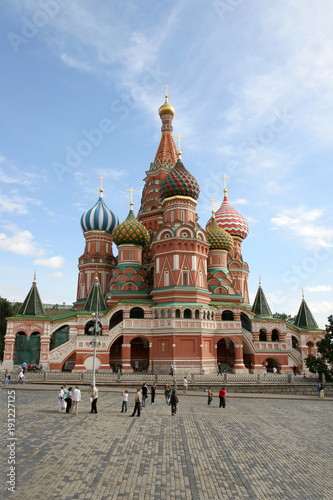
point(124, 405)
point(322, 392)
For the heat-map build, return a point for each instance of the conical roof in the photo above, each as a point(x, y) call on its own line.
point(179, 182)
point(304, 318)
point(260, 305)
point(32, 305)
point(95, 300)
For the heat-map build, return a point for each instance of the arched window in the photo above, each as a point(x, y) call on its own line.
point(156, 314)
point(116, 319)
point(204, 315)
point(187, 314)
point(59, 337)
point(177, 313)
point(169, 313)
point(197, 314)
point(137, 313)
point(262, 335)
point(275, 336)
point(162, 313)
point(246, 322)
point(228, 316)
point(185, 279)
point(90, 328)
point(208, 315)
point(166, 278)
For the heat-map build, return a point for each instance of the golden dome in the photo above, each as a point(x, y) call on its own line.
point(166, 108)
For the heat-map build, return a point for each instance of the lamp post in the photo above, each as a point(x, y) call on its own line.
point(96, 328)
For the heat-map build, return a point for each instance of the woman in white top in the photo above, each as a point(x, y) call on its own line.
point(76, 398)
point(61, 398)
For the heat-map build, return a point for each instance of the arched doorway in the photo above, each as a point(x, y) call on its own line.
point(27, 348)
point(137, 313)
point(187, 314)
point(271, 363)
point(294, 342)
point(115, 354)
point(69, 363)
point(59, 337)
point(228, 316)
point(262, 335)
point(140, 354)
point(226, 354)
point(116, 319)
point(275, 335)
point(90, 328)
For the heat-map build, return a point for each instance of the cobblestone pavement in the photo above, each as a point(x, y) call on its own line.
point(254, 448)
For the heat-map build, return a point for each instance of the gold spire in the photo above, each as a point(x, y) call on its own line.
point(225, 184)
point(166, 108)
point(101, 188)
point(132, 191)
point(179, 154)
point(259, 281)
point(34, 281)
point(302, 294)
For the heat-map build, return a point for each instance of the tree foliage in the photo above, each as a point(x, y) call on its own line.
point(7, 309)
point(285, 317)
point(324, 362)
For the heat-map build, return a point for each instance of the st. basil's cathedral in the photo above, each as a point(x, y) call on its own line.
point(176, 293)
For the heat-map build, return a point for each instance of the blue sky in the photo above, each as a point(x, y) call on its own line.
point(251, 83)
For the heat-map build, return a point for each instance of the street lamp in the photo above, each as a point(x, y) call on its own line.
point(97, 330)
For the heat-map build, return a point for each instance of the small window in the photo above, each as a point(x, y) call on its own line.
point(185, 279)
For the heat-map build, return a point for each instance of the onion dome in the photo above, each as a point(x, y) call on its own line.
point(166, 108)
point(230, 220)
point(179, 182)
point(131, 232)
point(218, 238)
point(99, 217)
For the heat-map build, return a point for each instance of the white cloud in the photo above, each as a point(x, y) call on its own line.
point(74, 63)
point(15, 203)
point(53, 262)
point(299, 222)
point(322, 307)
point(319, 288)
point(21, 243)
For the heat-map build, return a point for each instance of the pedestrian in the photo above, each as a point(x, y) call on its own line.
point(121, 369)
point(319, 386)
point(144, 394)
point(7, 378)
point(69, 400)
point(322, 392)
point(185, 384)
point(138, 401)
point(152, 393)
point(65, 398)
point(93, 398)
point(274, 370)
point(20, 377)
point(24, 366)
point(166, 393)
point(173, 402)
point(264, 368)
point(61, 398)
point(76, 398)
point(222, 396)
point(124, 404)
point(219, 368)
point(294, 370)
point(169, 395)
point(210, 395)
point(171, 369)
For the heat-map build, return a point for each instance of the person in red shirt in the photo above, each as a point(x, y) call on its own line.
point(222, 396)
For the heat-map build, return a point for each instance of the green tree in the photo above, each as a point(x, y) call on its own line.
point(324, 362)
point(286, 317)
point(6, 309)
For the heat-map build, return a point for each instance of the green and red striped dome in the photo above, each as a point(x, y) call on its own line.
point(179, 182)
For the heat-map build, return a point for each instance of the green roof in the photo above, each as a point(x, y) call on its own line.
point(32, 305)
point(260, 305)
point(304, 318)
point(95, 298)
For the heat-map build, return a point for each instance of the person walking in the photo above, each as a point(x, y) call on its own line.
point(69, 400)
point(173, 402)
point(76, 398)
point(61, 398)
point(166, 393)
point(294, 370)
point(222, 396)
point(24, 366)
point(144, 394)
point(94, 398)
point(185, 383)
point(138, 401)
point(171, 369)
point(64, 401)
point(7, 378)
point(210, 395)
point(152, 393)
point(322, 392)
point(219, 368)
point(124, 404)
point(319, 386)
point(20, 377)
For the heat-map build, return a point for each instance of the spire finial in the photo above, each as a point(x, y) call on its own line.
point(302, 294)
point(212, 200)
point(132, 191)
point(179, 151)
point(101, 188)
point(166, 91)
point(259, 281)
point(34, 281)
point(225, 184)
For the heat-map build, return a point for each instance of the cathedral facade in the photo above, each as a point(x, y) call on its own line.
point(176, 292)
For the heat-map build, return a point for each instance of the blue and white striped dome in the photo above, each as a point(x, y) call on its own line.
point(99, 218)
